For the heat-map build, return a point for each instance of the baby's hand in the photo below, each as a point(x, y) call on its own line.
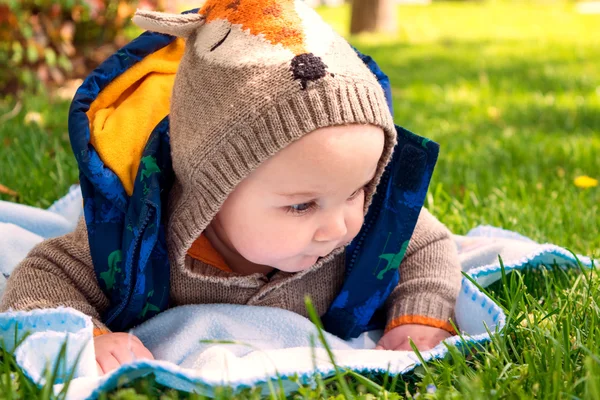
point(116, 349)
point(423, 336)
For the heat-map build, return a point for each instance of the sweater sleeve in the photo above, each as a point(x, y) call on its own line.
point(430, 278)
point(58, 272)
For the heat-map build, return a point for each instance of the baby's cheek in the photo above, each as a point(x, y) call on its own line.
point(355, 220)
point(355, 228)
point(267, 247)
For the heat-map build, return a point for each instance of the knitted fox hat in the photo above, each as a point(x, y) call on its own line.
point(256, 76)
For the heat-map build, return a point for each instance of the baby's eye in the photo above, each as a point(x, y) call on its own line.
point(302, 208)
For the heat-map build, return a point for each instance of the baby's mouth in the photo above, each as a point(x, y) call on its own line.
point(320, 256)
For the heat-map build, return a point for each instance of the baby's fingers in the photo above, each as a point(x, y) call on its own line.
point(142, 353)
point(405, 346)
point(137, 347)
point(106, 363)
point(132, 352)
point(420, 345)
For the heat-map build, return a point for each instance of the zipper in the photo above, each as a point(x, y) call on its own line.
point(136, 241)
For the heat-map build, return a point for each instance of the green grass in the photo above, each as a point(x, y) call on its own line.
point(36, 161)
point(512, 94)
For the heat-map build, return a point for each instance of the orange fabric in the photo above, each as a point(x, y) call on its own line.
point(420, 320)
point(203, 251)
point(99, 331)
point(276, 20)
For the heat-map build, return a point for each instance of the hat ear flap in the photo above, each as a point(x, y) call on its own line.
point(180, 25)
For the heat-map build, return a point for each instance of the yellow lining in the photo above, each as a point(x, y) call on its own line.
point(124, 114)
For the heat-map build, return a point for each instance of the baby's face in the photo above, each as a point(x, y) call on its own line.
point(305, 201)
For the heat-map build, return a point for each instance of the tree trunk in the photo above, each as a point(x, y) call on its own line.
point(373, 16)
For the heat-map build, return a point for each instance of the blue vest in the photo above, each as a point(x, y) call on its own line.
point(127, 233)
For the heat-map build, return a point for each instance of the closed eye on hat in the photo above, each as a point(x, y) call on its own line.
point(220, 42)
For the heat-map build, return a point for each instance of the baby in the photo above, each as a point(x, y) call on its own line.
point(279, 137)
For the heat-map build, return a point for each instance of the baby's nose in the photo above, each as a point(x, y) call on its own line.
point(333, 231)
point(308, 67)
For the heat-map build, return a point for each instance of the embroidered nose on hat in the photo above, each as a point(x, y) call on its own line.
point(308, 67)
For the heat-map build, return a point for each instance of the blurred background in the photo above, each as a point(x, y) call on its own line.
point(510, 90)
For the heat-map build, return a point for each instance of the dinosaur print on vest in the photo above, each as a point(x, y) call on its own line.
point(149, 166)
point(114, 267)
point(149, 307)
point(393, 260)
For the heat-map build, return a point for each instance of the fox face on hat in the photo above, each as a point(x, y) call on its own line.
point(256, 76)
point(265, 32)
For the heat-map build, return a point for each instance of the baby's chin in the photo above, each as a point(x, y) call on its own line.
point(301, 263)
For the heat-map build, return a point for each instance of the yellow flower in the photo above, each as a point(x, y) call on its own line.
point(585, 182)
point(33, 117)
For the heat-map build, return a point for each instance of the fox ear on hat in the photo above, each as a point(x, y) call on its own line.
point(180, 25)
